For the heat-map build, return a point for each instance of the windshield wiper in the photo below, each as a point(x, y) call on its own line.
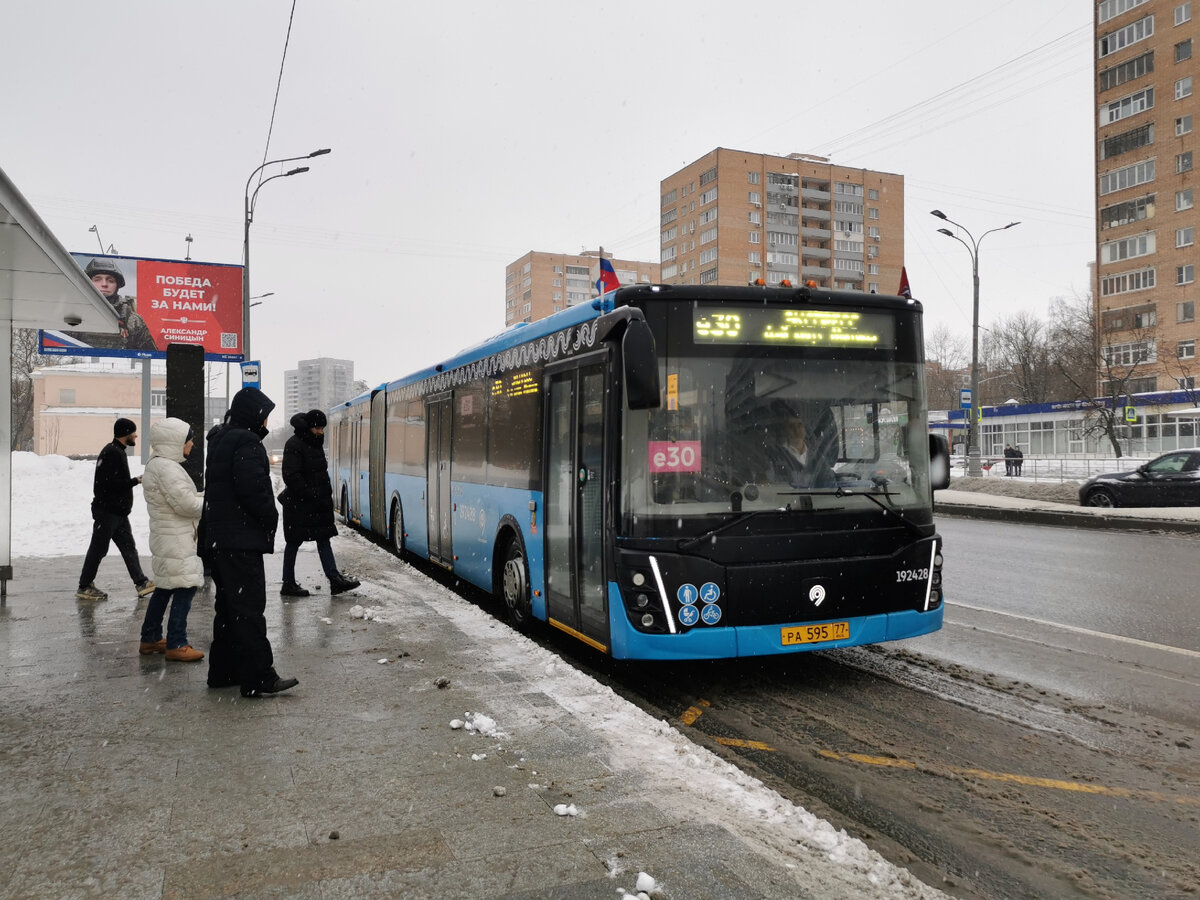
point(912, 526)
point(724, 526)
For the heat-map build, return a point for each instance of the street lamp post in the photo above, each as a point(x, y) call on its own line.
point(248, 216)
point(974, 468)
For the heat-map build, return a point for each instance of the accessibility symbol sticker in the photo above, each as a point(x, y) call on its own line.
point(711, 614)
point(687, 594)
point(689, 615)
point(709, 592)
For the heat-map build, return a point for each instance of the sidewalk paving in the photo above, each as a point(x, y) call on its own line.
point(979, 505)
point(125, 776)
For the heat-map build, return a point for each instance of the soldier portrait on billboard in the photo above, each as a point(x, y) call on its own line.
point(109, 280)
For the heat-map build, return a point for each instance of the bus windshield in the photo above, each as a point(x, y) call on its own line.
point(796, 433)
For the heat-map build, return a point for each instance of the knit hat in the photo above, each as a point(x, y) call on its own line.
point(316, 418)
point(123, 427)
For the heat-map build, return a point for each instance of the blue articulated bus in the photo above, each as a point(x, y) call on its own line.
point(670, 471)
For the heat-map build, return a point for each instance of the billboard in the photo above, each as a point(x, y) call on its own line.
point(159, 302)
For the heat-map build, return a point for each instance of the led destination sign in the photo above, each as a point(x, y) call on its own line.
point(792, 327)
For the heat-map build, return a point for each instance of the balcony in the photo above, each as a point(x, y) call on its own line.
point(816, 234)
point(814, 253)
point(814, 194)
point(815, 272)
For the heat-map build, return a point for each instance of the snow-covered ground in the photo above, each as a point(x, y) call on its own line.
point(50, 517)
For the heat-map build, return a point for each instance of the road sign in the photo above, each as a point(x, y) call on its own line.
point(250, 374)
point(964, 398)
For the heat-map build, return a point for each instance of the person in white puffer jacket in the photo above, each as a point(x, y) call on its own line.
point(175, 506)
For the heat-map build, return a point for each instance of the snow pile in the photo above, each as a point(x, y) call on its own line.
point(1048, 491)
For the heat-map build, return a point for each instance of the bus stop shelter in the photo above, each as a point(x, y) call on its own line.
point(41, 286)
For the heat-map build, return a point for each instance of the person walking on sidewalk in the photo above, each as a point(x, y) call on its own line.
point(112, 501)
point(307, 502)
point(175, 506)
point(238, 527)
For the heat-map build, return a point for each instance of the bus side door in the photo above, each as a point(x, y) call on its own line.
point(437, 472)
point(574, 497)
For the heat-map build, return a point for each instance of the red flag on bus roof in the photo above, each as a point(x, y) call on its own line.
point(904, 291)
point(608, 280)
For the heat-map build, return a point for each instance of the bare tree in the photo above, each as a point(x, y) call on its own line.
point(25, 359)
point(1102, 360)
point(1023, 350)
point(945, 362)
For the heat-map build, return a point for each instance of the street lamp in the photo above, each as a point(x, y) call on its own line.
point(974, 469)
point(259, 300)
point(248, 216)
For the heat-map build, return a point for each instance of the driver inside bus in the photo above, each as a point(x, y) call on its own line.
point(795, 459)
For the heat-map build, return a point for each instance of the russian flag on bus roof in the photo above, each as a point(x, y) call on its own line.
point(608, 280)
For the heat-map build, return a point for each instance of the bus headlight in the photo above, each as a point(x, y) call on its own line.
point(647, 620)
point(642, 601)
point(639, 578)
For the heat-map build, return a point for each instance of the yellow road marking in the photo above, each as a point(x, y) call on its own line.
point(748, 745)
point(692, 713)
point(1012, 778)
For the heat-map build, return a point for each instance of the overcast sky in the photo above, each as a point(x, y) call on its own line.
point(465, 135)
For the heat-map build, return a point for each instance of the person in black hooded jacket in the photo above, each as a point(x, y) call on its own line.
point(237, 528)
point(307, 502)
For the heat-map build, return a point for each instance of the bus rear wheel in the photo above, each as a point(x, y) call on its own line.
point(397, 530)
point(514, 585)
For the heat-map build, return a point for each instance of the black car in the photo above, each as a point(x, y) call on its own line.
point(1172, 479)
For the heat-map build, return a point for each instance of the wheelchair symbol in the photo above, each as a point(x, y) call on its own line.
point(710, 593)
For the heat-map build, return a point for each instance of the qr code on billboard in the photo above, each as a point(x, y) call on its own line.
point(228, 340)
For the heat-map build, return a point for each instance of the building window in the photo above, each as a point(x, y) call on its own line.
point(1127, 248)
point(755, 198)
point(66, 396)
point(755, 218)
point(1127, 177)
point(1129, 105)
point(1187, 383)
point(1130, 34)
point(1110, 9)
point(872, 194)
point(752, 177)
point(1183, 88)
point(1126, 141)
point(1129, 354)
point(873, 287)
point(1185, 237)
point(708, 215)
point(873, 268)
point(1185, 311)
point(1183, 200)
point(1126, 71)
point(1127, 211)
point(755, 258)
point(1185, 274)
point(1183, 125)
point(708, 276)
point(709, 255)
point(872, 212)
point(1183, 13)
point(1186, 349)
point(755, 238)
point(1183, 162)
point(1183, 50)
point(708, 196)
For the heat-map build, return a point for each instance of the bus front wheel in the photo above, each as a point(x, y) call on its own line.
point(514, 585)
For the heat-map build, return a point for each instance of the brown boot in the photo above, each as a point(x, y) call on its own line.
point(159, 646)
point(184, 654)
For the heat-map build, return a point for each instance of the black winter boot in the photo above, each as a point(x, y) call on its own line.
point(292, 589)
point(341, 584)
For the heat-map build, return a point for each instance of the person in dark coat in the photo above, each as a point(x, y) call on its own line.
point(237, 528)
point(307, 502)
point(1010, 456)
point(112, 501)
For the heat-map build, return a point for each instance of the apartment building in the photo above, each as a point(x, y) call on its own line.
point(1146, 191)
point(540, 283)
point(317, 384)
point(732, 217)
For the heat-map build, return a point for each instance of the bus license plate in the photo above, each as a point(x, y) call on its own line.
point(815, 634)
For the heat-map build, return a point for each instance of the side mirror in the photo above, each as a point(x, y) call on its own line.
point(939, 462)
point(641, 366)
